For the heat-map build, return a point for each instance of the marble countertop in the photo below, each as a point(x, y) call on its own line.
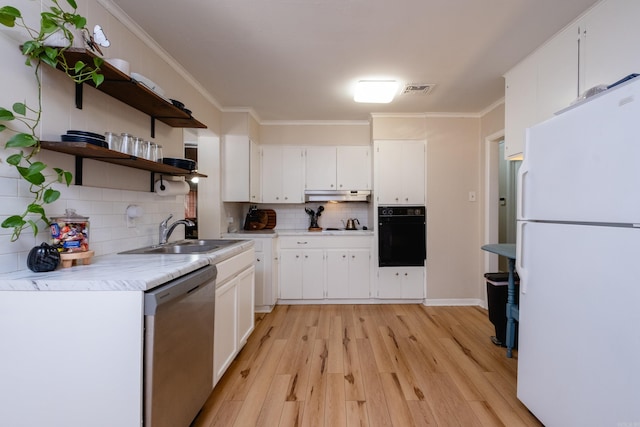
point(117, 272)
point(275, 233)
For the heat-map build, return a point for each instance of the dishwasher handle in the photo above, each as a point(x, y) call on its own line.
point(177, 288)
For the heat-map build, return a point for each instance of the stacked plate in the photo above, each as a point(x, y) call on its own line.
point(82, 136)
point(187, 164)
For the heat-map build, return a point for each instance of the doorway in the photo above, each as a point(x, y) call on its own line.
point(507, 191)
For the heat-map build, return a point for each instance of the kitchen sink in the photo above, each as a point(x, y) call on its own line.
point(184, 247)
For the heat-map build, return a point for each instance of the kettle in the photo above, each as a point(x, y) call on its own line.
point(351, 224)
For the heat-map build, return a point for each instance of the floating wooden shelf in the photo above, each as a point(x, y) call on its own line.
point(120, 86)
point(84, 150)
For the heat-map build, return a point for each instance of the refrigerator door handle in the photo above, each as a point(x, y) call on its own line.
point(522, 174)
point(520, 268)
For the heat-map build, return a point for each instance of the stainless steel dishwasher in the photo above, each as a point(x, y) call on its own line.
point(178, 348)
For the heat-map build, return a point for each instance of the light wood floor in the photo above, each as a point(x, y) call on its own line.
point(369, 365)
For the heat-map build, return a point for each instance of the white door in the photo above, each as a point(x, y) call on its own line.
point(272, 174)
point(353, 168)
point(359, 273)
point(292, 175)
point(337, 273)
point(313, 274)
point(290, 274)
point(320, 168)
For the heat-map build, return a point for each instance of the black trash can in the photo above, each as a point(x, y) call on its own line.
point(497, 292)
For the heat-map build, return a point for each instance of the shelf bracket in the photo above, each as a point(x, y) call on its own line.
point(153, 182)
point(79, 92)
point(153, 127)
point(78, 174)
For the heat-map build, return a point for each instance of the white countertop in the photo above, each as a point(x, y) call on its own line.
point(275, 233)
point(118, 272)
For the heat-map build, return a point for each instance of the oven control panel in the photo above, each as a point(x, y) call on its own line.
point(390, 211)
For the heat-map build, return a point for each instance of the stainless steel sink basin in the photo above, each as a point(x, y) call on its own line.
point(184, 247)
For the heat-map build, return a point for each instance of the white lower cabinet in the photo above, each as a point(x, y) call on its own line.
point(234, 315)
point(302, 274)
point(266, 293)
point(325, 267)
point(401, 283)
point(348, 272)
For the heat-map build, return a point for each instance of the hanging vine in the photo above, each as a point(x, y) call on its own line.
point(55, 21)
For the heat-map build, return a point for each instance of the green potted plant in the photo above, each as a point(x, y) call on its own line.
point(55, 24)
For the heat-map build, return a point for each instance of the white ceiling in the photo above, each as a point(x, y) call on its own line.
point(299, 59)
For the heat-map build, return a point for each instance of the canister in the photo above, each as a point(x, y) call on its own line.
point(70, 232)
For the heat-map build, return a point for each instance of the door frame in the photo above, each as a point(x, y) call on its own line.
point(492, 197)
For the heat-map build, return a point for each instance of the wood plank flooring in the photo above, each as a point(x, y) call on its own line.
point(369, 365)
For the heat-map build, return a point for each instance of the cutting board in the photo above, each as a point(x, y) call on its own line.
point(271, 218)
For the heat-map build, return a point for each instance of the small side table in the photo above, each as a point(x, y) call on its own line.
point(508, 250)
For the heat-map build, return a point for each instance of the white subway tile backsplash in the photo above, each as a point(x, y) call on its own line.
point(106, 209)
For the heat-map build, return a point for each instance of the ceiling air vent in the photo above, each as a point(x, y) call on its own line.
point(418, 88)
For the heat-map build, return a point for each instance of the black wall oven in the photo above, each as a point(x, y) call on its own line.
point(402, 236)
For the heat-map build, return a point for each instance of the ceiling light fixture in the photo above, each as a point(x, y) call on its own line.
point(375, 91)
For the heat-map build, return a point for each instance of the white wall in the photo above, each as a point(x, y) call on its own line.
point(107, 188)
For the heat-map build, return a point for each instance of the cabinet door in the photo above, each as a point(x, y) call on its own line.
point(292, 175)
point(260, 278)
point(401, 283)
point(359, 280)
point(388, 182)
point(255, 178)
point(225, 334)
point(611, 42)
point(320, 170)
point(338, 273)
point(272, 174)
point(413, 173)
point(558, 84)
point(521, 85)
point(290, 274)
point(389, 283)
point(400, 172)
point(235, 168)
point(412, 282)
point(245, 312)
point(313, 274)
point(353, 168)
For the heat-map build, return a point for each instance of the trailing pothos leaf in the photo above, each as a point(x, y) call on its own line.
point(37, 52)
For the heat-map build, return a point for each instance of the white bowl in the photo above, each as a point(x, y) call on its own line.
point(120, 64)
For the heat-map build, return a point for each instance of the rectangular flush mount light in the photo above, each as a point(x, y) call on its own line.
point(375, 91)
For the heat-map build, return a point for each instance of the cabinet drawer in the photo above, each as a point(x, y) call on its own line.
point(324, 242)
point(228, 268)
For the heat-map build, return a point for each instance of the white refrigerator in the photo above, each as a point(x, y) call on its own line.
point(578, 257)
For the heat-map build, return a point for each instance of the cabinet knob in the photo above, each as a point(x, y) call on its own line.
point(406, 199)
point(331, 185)
point(344, 256)
point(257, 259)
point(397, 274)
point(277, 198)
point(353, 257)
point(397, 199)
point(286, 198)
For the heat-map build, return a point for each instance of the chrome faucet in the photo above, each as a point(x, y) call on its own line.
point(165, 229)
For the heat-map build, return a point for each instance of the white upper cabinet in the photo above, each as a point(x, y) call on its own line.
point(282, 174)
point(400, 172)
point(610, 33)
point(596, 49)
point(338, 168)
point(520, 101)
point(240, 169)
point(320, 170)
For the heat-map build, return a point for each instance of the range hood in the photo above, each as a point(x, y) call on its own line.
point(337, 196)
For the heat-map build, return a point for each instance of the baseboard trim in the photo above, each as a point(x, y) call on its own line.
point(455, 301)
